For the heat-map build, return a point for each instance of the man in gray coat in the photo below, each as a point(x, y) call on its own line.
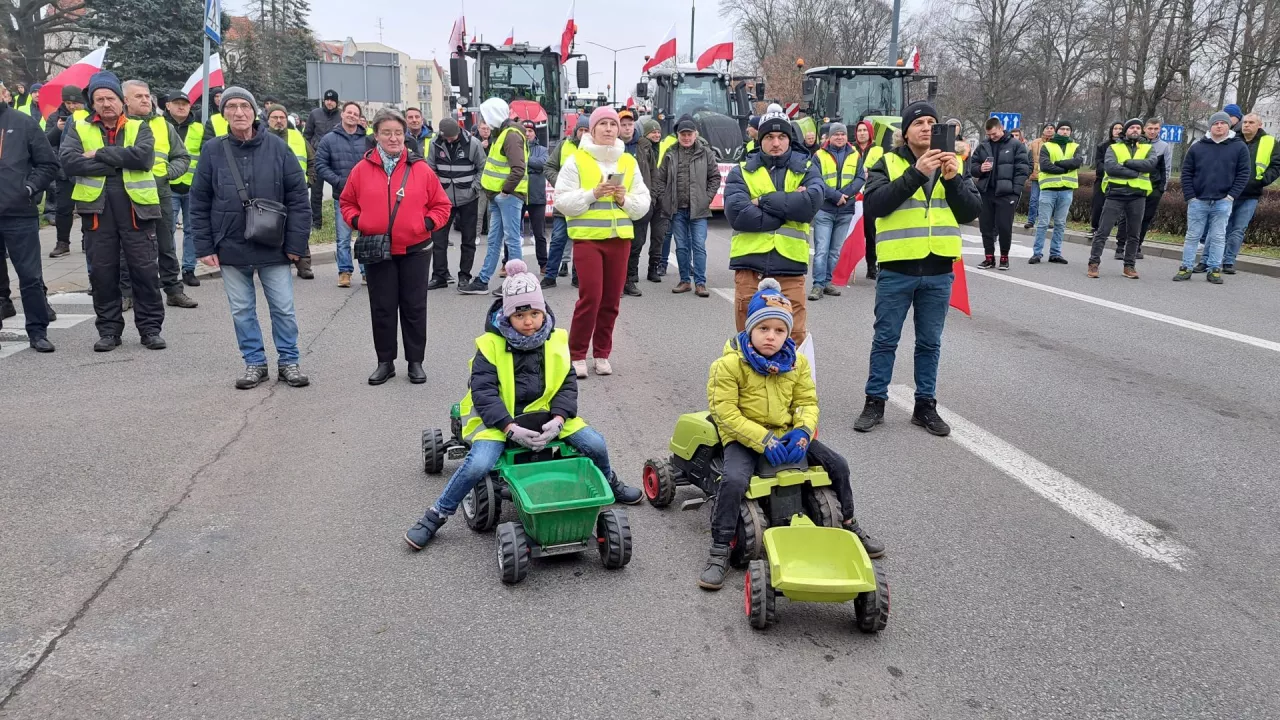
point(457, 158)
point(684, 185)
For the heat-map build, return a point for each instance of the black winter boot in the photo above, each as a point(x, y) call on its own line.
point(872, 415)
point(712, 577)
point(926, 416)
point(425, 529)
point(874, 547)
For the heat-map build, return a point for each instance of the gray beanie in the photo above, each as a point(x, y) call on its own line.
point(235, 92)
point(450, 128)
point(1219, 117)
point(837, 127)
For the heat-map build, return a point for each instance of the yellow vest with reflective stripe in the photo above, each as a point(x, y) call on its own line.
point(567, 149)
point(497, 168)
point(555, 367)
point(219, 124)
point(667, 143)
point(160, 129)
point(791, 240)
point(195, 136)
point(873, 156)
point(298, 145)
point(1070, 180)
point(838, 177)
point(1266, 145)
point(920, 226)
point(604, 220)
point(1143, 181)
point(139, 184)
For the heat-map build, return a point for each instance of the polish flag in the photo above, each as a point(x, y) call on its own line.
point(666, 51)
point(960, 288)
point(721, 48)
point(511, 39)
point(458, 35)
point(631, 101)
point(914, 61)
point(566, 36)
point(76, 76)
point(854, 249)
point(194, 86)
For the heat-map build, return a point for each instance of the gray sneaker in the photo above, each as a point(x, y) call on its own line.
point(253, 376)
point(292, 374)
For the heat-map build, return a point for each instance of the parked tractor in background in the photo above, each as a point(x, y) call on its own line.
point(852, 93)
point(517, 72)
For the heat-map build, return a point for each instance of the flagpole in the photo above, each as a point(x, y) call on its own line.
point(204, 95)
point(693, 11)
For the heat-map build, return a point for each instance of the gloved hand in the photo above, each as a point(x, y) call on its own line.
point(525, 437)
point(797, 442)
point(775, 451)
point(551, 430)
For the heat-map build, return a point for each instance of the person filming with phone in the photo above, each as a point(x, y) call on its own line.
point(919, 198)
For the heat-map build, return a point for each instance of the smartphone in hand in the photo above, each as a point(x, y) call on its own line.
point(943, 137)
point(616, 179)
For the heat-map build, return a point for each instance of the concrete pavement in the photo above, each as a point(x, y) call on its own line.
point(174, 548)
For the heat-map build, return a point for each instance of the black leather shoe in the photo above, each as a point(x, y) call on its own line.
point(107, 343)
point(383, 373)
point(438, 284)
point(7, 310)
point(42, 345)
point(417, 375)
point(189, 279)
point(154, 342)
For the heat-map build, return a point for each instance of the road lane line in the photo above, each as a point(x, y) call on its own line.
point(1101, 514)
point(1158, 317)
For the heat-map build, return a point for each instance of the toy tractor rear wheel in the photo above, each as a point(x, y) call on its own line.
point(761, 598)
point(748, 544)
point(613, 538)
point(513, 552)
point(433, 451)
point(482, 507)
point(823, 507)
point(871, 609)
point(659, 483)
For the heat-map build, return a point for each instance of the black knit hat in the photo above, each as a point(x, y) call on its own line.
point(775, 120)
point(1131, 122)
point(917, 110)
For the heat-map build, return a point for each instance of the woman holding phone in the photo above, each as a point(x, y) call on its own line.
point(601, 193)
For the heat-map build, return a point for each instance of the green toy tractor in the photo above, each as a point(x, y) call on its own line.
point(559, 495)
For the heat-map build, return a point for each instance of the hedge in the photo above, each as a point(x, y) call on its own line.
point(1171, 218)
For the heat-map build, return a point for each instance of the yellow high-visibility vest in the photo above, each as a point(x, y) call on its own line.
point(139, 184)
point(195, 136)
point(920, 226)
point(160, 129)
point(837, 177)
point(667, 143)
point(555, 367)
point(567, 149)
point(1143, 181)
point(219, 124)
point(497, 168)
point(298, 144)
point(603, 220)
point(1266, 145)
point(1070, 180)
point(791, 240)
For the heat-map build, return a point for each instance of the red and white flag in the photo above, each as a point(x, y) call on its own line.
point(76, 76)
point(458, 36)
point(854, 249)
point(666, 51)
point(914, 62)
point(511, 39)
point(194, 86)
point(631, 101)
point(960, 288)
point(566, 36)
point(721, 48)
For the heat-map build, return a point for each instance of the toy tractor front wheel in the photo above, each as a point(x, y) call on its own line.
point(748, 544)
point(761, 598)
point(823, 507)
point(482, 507)
point(871, 609)
point(513, 552)
point(659, 483)
point(433, 451)
point(613, 538)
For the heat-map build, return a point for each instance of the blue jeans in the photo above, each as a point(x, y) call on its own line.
point(345, 264)
point(277, 285)
point(1241, 216)
point(1208, 218)
point(504, 228)
point(895, 293)
point(484, 455)
point(691, 247)
point(1033, 202)
point(1057, 204)
point(559, 241)
point(828, 240)
point(182, 205)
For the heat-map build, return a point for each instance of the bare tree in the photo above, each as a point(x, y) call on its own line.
point(1259, 54)
point(1062, 48)
point(32, 29)
point(993, 32)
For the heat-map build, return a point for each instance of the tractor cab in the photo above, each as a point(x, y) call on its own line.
point(852, 93)
point(719, 103)
point(516, 73)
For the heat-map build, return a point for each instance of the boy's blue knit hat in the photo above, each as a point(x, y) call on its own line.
point(769, 302)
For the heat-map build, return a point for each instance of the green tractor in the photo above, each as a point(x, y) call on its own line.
point(852, 93)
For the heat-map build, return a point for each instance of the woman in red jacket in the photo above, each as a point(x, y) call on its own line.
point(400, 282)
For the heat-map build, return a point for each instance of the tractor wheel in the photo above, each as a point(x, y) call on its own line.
point(748, 544)
point(433, 451)
point(482, 507)
point(871, 609)
point(823, 507)
point(613, 538)
point(760, 598)
point(513, 552)
point(659, 485)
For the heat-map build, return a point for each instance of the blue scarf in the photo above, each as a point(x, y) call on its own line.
point(781, 362)
point(519, 341)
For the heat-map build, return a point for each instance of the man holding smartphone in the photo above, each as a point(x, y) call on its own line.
point(1000, 166)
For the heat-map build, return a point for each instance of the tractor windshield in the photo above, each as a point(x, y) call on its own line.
point(864, 95)
point(701, 93)
point(524, 77)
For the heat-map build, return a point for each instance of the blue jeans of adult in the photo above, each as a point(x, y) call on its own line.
point(559, 241)
point(1241, 216)
point(182, 206)
point(828, 240)
point(1208, 218)
point(691, 247)
point(1056, 206)
point(1033, 202)
point(21, 237)
point(484, 455)
point(895, 294)
point(277, 285)
point(504, 229)
point(345, 262)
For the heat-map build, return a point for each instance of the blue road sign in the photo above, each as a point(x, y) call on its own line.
point(1008, 119)
point(1171, 133)
point(213, 20)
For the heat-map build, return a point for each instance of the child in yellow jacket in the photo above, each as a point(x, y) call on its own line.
point(764, 402)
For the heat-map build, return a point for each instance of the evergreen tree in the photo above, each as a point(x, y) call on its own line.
point(158, 41)
point(270, 57)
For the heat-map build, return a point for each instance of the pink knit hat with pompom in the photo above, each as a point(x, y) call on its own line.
point(521, 289)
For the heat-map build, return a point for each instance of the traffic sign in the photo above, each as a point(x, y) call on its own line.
point(213, 20)
point(1171, 133)
point(1008, 119)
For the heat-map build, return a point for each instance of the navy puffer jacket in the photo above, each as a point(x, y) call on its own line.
point(338, 152)
point(270, 171)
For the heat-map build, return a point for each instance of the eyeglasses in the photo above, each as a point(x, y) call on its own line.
point(237, 107)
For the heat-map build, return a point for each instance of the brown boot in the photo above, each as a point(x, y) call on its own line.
point(1130, 273)
point(304, 268)
point(60, 249)
point(683, 287)
point(344, 280)
point(1093, 270)
point(701, 291)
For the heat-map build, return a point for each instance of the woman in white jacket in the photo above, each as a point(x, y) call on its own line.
point(601, 193)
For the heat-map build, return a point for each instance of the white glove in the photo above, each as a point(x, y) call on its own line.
point(526, 438)
point(551, 430)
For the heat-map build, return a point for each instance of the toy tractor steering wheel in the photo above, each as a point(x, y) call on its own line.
point(765, 469)
point(533, 420)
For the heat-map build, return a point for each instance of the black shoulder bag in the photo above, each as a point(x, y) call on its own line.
point(264, 220)
point(376, 248)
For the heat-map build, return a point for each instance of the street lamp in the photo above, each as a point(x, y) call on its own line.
point(615, 63)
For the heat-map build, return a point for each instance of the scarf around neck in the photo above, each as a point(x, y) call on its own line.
point(521, 342)
point(389, 162)
point(781, 362)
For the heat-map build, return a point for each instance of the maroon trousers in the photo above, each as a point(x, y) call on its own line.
point(602, 273)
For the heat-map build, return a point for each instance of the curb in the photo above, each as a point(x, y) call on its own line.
point(320, 255)
point(1244, 263)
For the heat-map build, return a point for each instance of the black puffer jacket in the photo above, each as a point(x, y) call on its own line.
point(320, 122)
point(530, 381)
point(27, 163)
point(271, 172)
point(774, 209)
point(1010, 171)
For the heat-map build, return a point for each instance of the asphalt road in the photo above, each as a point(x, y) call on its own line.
point(1097, 540)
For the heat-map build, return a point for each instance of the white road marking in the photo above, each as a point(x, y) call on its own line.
point(16, 339)
point(1101, 514)
point(1016, 250)
point(1158, 317)
point(71, 298)
point(64, 321)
